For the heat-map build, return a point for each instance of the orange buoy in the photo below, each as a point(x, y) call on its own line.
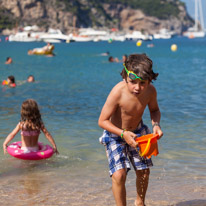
point(148, 145)
point(4, 82)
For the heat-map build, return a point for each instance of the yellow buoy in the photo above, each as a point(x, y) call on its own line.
point(139, 43)
point(174, 47)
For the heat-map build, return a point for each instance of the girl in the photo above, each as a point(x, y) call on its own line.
point(30, 125)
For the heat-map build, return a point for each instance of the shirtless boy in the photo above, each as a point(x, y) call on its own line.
point(121, 119)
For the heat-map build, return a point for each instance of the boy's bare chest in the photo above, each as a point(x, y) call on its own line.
point(132, 108)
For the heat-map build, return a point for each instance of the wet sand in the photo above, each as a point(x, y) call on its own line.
point(52, 183)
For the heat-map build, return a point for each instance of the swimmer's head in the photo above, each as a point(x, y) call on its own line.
point(30, 78)
point(11, 79)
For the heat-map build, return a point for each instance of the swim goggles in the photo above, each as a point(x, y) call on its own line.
point(131, 74)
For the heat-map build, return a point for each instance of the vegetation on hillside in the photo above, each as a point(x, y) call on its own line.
point(6, 20)
point(159, 8)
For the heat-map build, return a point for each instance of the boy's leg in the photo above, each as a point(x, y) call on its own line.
point(119, 165)
point(118, 187)
point(142, 184)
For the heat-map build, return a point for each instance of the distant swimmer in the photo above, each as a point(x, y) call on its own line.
point(30, 78)
point(124, 58)
point(8, 60)
point(150, 45)
point(112, 59)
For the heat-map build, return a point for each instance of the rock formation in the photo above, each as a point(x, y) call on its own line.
point(65, 15)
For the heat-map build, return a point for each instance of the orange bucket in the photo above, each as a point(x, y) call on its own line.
point(148, 145)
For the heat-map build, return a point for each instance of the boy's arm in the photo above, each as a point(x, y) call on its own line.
point(104, 122)
point(108, 110)
point(155, 113)
point(10, 137)
point(50, 138)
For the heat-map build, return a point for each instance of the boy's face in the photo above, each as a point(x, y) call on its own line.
point(137, 86)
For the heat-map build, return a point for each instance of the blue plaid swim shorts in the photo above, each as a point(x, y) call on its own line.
point(120, 154)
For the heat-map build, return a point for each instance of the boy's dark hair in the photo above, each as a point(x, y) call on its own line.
point(110, 59)
point(141, 65)
point(12, 79)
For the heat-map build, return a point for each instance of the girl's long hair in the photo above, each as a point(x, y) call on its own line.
point(30, 115)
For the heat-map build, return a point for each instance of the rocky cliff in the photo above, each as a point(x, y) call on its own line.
point(69, 14)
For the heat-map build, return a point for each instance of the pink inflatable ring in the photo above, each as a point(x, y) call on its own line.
point(44, 152)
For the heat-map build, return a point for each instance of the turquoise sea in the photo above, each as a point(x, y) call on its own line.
point(71, 89)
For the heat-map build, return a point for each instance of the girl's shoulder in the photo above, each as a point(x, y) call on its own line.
point(22, 125)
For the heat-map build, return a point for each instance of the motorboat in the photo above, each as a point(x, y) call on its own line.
point(163, 34)
point(26, 34)
point(138, 35)
point(54, 36)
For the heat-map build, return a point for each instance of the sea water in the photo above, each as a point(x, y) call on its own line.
point(71, 89)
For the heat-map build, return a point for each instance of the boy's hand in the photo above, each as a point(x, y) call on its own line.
point(129, 137)
point(157, 130)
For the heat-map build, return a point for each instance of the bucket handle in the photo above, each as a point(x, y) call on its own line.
point(146, 149)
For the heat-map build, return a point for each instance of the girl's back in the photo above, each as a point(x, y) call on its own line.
point(29, 137)
point(30, 124)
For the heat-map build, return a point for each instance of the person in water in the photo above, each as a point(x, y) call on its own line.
point(121, 119)
point(30, 78)
point(112, 59)
point(31, 125)
point(11, 81)
point(47, 48)
point(8, 60)
point(124, 58)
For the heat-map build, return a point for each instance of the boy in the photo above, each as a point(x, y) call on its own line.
point(121, 119)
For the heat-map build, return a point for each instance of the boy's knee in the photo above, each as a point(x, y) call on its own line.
point(119, 177)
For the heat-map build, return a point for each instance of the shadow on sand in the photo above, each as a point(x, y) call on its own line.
point(192, 203)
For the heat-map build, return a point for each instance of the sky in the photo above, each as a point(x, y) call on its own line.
point(190, 4)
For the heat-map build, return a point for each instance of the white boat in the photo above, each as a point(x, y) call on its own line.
point(163, 34)
point(54, 36)
point(27, 34)
point(193, 33)
point(196, 31)
point(117, 37)
point(138, 35)
point(22, 37)
point(89, 34)
point(80, 38)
